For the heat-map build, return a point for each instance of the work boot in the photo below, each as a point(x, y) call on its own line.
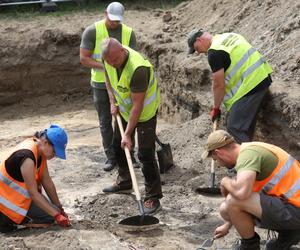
point(249, 244)
point(286, 238)
point(118, 189)
point(151, 206)
point(109, 165)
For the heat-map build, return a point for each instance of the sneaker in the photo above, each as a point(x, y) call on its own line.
point(249, 244)
point(151, 206)
point(286, 238)
point(118, 189)
point(109, 165)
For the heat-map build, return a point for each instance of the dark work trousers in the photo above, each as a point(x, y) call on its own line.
point(34, 215)
point(37, 215)
point(146, 154)
point(242, 117)
point(102, 105)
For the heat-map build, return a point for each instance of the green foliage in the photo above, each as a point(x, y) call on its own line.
point(33, 10)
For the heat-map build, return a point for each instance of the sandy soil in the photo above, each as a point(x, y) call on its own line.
point(41, 82)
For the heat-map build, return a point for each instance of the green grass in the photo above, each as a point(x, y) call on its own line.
point(33, 10)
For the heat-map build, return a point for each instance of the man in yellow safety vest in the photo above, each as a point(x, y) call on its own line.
point(90, 56)
point(134, 94)
point(241, 79)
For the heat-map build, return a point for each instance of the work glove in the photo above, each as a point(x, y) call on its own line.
point(62, 220)
point(62, 211)
point(215, 113)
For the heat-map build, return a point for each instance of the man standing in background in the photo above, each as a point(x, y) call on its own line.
point(90, 56)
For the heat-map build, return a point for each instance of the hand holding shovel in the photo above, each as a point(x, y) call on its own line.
point(211, 190)
point(139, 221)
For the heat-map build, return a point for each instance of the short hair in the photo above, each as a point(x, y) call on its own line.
point(105, 46)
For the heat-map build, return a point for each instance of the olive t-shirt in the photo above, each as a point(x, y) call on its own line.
point(89, 38)
point(258, 159)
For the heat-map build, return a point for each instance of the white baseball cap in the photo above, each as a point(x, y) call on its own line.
point(115, 11)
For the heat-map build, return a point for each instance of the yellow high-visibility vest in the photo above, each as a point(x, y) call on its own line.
point(247, 69)
point(121, 87)
point(102, 33)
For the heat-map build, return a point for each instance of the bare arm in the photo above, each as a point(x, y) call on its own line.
point(218, 87)
point(87, 60)
point(27, 170)
point(50, 188)
point(241, 186)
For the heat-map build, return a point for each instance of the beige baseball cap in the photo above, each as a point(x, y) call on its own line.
point(216, 139)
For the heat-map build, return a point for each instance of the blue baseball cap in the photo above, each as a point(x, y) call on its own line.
point(59, 139)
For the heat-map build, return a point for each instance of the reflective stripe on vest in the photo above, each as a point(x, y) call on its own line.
point(14, 186)
point(234, 90)
point(97, 75)
point(121, 87)
point(15, 199)
point(284, 181)
point(22, 212)
point(247, 68)
point(276, 179)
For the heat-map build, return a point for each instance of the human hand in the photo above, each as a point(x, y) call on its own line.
point(114, 110)
point(221, 231)
point(215, 113)
point(62, 211)
point(126, 142)
point(62, 220)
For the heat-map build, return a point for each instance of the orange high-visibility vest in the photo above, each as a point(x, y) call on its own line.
point(14, 196)
point(284, 181)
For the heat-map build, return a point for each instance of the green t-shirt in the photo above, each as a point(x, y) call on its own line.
point(258, 159)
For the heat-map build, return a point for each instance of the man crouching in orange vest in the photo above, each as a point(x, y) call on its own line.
point(23, 173)
point(265, 192)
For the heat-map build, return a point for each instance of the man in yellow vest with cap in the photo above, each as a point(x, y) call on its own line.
point(134, 94)
point(241, 79)
point(90, 56)
point(265, 192)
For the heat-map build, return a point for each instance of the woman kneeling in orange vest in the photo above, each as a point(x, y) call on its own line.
point(23, 173)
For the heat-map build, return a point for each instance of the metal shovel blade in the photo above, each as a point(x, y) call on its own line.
point(208, 191)
point(206, 244)
point(139, 222)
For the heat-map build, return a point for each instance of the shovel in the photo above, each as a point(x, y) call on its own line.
point(207, 243)
point(139, 221)
point(211, 190)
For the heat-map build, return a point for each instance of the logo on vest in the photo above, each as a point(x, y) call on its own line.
point(122, 89)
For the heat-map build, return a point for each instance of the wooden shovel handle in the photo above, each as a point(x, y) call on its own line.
point(129, 161)
point(212, 167)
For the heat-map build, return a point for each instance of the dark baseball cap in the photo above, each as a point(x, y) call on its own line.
point(192, 36)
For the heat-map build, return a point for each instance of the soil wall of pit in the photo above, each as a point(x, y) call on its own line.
point(42, 56)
